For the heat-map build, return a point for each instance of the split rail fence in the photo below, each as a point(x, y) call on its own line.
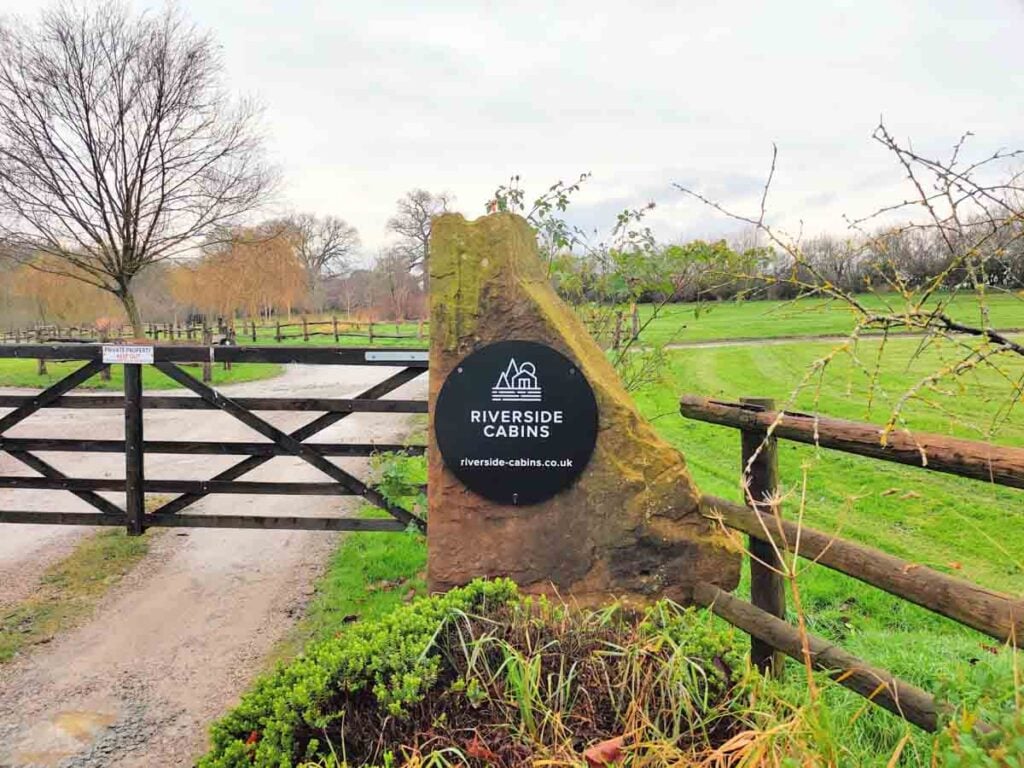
point(133, 402)
point(770, 535)
point(230, 331)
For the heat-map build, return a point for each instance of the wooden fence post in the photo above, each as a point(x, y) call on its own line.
point(134, 484)
point(207, 365)
point(371, 332)
point(41, 367)
point(760, 483)
point(105, 370)
point(305, 329)
point(635, 316)
point(419, 330)
point(253, 322)
point(277, 333)
point(334, 318)
point(617, 337)
point(232, 340)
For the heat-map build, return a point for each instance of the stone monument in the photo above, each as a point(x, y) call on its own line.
point(627, 525)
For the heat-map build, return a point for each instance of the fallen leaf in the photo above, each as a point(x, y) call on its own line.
point(253, 738)
point(911, 495)
point(910, 566)
point(604, 753)
point(956, 566)
point(476, 748)
point(889, 491)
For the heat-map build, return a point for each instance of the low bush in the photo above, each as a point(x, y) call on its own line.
point(484, 676)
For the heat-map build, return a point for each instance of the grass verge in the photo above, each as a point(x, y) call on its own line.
point(370, 574)
point(70, 589)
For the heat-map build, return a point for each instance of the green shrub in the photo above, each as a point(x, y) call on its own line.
point(482, 668)
point(391, 659)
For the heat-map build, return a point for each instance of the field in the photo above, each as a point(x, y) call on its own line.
point(959, 526)
point(714, 321)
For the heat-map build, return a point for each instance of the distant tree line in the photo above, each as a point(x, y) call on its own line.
point(889, 259)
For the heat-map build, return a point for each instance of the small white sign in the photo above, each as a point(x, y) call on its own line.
point(132, 354)
point(398, 357)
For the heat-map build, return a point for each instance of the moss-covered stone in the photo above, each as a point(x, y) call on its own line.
point(630, 526)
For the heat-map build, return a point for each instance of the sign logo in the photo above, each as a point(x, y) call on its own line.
point(517, 384)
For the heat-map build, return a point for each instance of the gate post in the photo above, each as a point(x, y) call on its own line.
point(761, 482)
point(135, 497)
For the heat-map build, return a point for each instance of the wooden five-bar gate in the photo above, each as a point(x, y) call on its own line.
point(770, 535)
point(134, 402)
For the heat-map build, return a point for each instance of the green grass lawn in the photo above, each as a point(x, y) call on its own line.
point(23, 373)
point(767, 319)
point(958, 526)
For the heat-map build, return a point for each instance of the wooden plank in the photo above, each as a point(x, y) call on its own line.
point(235, 354)
point(49, 471)
point(998, 615)
point(283, 523)
point(176, 486)
point(205, 521)
point(329, 404)
point(297, 448)
point(1002, 465)
point(305, 432)
point(48, 395)
point(61, 518)
point(134, 485)
point(68, 445)
point(759, 468)
point(878, 685)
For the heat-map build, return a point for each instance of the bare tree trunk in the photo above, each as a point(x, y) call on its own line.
point(131, 311)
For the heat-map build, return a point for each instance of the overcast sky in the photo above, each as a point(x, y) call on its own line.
point(366, 100)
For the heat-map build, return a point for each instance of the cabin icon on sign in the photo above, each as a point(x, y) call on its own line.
point(517, 383)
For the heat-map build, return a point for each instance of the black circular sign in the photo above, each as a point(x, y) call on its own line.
point(516, 422)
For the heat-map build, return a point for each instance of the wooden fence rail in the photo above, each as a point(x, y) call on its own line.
point(982, 461)
point(769, 535)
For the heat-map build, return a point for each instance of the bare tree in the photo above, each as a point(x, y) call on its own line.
point(963, 222)
point(412, 223)
point(119, 146)
point(325, 246)
point(395, 283)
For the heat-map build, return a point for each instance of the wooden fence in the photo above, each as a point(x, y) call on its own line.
point(998, 615)
point(133, 402)
point(303, 328)
point(612, 327)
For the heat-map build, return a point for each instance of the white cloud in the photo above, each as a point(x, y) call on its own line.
point(366, 100)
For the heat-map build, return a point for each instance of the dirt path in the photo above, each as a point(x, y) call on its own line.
point(176, 642)
point(773, 341)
